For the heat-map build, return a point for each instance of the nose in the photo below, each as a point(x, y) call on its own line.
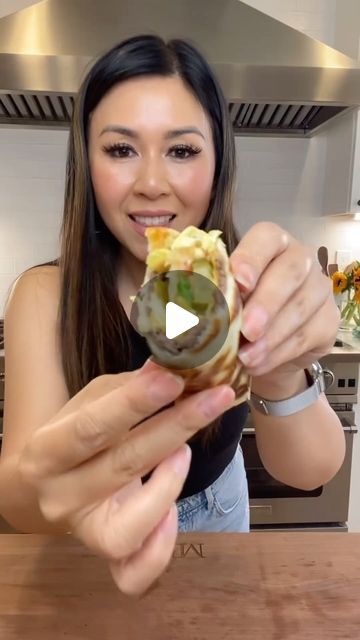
point(152, 181)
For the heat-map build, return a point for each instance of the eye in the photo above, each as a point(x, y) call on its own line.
point(119, 150)
point(184, 151)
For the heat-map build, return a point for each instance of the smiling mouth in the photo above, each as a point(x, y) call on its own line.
point(152, 221)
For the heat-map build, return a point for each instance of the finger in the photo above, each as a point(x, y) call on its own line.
point(96, 388)
point(100, 386)
point(310, 342)
point(258, 247)
point(77, 437)
point(294, 314)
point(283, 277)
point(140, 452)
point(130, 520)
point(135, 575)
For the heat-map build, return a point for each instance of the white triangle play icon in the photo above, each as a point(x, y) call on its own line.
point(178, 320)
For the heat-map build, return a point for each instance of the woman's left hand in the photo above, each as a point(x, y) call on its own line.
point(290, 317)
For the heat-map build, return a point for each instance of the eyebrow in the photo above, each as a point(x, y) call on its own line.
point(174, 133)
point(130, 133)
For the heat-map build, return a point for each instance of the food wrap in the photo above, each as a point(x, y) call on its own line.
point(202, 253)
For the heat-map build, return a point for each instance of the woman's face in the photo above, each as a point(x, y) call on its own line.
point(152, 158)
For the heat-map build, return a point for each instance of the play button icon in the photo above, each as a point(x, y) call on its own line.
point(184, 317)
point(178, 320)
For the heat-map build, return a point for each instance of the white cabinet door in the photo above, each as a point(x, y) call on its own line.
point(342, 167)
point(354, 205)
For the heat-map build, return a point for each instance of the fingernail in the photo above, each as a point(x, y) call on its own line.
point(164, 384)
point(252, 353)
point(250, 360)
point(244, 275)
point(168, 524)
point(149, 365)
point(215, 401)
point(254, 323)
point(180, 460)
point(245, 357)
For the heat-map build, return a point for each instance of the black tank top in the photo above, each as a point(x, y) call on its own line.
point(211, 458)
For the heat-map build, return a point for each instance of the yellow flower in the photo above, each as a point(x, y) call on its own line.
point(339, 281)
point(357, 296)
point(356, 279)
point(350, 267)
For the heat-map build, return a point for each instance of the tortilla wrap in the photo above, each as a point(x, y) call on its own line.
point(202, 253)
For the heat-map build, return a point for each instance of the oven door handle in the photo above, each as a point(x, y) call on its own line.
point(261, 507)
point(250, 431)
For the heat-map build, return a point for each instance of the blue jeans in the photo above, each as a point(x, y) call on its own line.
point(224, 506)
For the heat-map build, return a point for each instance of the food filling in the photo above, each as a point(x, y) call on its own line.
point(192, 251)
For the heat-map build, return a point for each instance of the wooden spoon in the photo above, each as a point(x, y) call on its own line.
point(323, 257)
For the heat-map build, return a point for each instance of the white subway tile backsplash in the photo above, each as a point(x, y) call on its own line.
point(41, 162)
point(342, 233)
point(250, 176)
point(5, 280)
point(267, 193)
point(7, 265)
point(22, 263)
point(32, 170)
point(4, 293)
point(47, 250)
point(53, 137)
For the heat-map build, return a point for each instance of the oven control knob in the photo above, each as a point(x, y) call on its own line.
point(329, 378)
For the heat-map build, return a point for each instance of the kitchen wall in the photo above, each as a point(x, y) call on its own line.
point(279, 179)
point(32, 167)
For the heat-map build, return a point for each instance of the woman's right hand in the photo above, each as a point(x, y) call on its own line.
point(86, 465)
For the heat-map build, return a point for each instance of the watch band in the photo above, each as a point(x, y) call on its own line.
point(282, 408)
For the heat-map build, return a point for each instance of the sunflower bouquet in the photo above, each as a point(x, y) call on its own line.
point(348, 282)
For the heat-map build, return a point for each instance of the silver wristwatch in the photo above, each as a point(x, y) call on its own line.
point(317, 385)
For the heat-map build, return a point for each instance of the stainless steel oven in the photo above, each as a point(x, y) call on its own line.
point(274, 505)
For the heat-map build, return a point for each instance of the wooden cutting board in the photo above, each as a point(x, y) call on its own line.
point(258, 586)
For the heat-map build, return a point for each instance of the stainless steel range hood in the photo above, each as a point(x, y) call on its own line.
point(277, 81)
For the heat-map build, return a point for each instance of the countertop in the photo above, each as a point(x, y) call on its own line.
point(257, 586)
point(350, 349)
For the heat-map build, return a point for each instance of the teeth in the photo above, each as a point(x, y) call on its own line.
point(151, 221)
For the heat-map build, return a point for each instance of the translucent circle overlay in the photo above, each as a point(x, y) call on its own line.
point(194, 293)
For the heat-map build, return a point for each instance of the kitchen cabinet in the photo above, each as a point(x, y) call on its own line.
point(342, 166)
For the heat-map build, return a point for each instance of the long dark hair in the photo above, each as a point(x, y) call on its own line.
point(94, 329)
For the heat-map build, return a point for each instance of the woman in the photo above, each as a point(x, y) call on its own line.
point(151, 142)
